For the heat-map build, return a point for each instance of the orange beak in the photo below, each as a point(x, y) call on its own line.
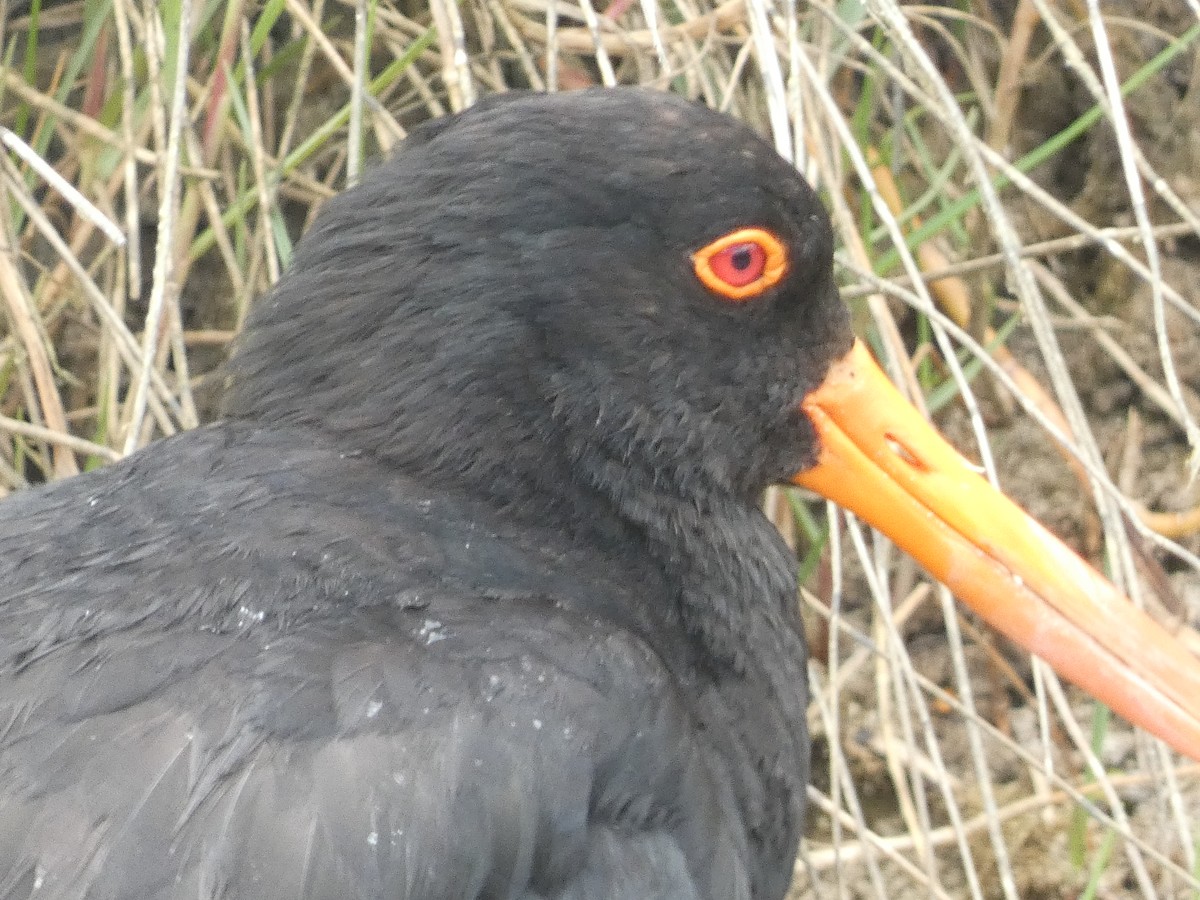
point(882, 461)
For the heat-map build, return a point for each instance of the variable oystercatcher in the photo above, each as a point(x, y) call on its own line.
point(468, 594)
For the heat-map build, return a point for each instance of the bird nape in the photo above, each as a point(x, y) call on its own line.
point(467, 594)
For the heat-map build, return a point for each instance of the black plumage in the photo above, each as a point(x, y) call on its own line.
point(467, 595)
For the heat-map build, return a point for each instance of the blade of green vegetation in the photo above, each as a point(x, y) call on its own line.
point(1077, 839)
point(971, 365)
point(1036, 157)
point(246, 201)
point(262, 27)
point(814, 532)
point(21, 122)
point(1099, 864)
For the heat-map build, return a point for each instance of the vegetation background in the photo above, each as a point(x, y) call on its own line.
point(1016, 188)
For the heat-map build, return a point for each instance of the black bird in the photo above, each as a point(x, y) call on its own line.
point(468, 594)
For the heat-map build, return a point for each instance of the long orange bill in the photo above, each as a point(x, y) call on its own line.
point(881, 460)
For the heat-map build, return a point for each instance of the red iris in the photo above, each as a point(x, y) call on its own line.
point(740, 264)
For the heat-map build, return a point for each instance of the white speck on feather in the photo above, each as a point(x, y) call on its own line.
point(431, 630)
point(492, 689)
point(373, 838)
point(373, 709)
point(247, 616)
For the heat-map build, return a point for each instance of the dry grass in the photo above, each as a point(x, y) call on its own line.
point(1017, 177)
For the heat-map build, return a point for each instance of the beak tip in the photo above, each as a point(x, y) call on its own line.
point(879, 458)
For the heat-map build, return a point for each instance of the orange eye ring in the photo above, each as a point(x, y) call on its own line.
point(742, 264)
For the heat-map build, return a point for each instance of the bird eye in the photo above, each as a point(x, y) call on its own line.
point(741, 264)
